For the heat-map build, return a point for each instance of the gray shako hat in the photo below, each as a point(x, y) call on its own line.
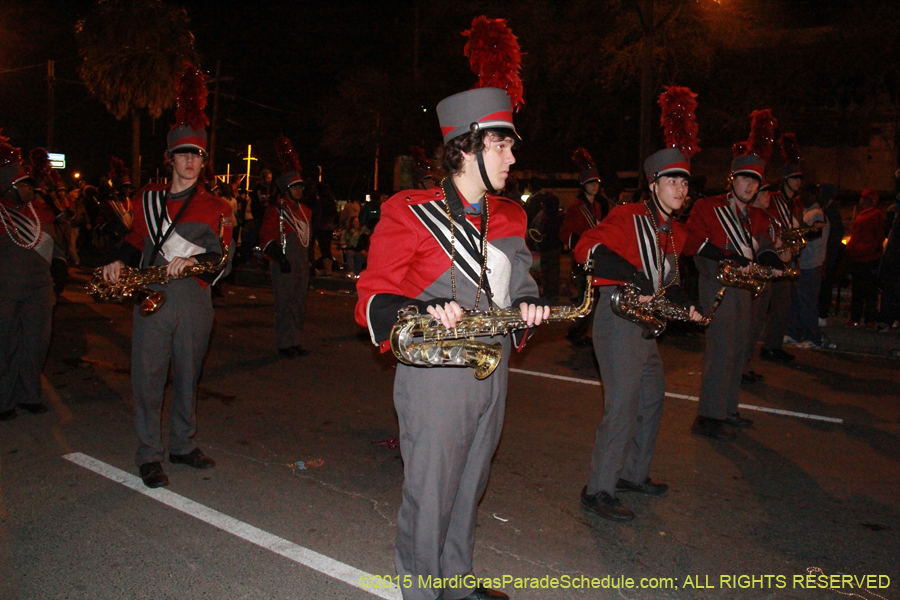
point(477, 109)
point(668, 161)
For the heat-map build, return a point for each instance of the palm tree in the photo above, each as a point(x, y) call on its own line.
point(132, 52)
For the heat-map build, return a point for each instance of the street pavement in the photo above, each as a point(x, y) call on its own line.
point(815, 486)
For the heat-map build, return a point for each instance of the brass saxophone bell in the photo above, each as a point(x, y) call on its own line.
point(150, 301)
point(487, 360)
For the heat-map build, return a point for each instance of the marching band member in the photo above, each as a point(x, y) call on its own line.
point(588, 210)
point(637, 243)
point(175, 225)
point(26, 286)
point(729, 227)
point(456, 246)
point(284, 237)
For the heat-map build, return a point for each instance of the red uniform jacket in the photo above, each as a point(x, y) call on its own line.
point(196, 233)
point(409, 259)
point(713, 221)
point(296, 222)
point(579, 218)
point(628, 231)
point(866, 242)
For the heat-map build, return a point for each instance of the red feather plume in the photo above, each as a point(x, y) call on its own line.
point(494, 55)
point(762, 133)
point(678, 121)
point(289, 159)
point(8, 154)
point(40, 164)
point(117, 168)
point(420, 158)
point(790, 151)
point(583, 160)
point(190, 89)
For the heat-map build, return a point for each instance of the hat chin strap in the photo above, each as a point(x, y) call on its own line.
point(489, 187)
point(656, 201)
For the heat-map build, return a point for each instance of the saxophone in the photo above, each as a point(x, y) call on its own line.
point(792, 239)
point(132, 283)
point(440, 347)
point(653, 314)
point(729, 274)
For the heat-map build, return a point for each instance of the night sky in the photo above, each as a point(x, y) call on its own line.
point(286, 60)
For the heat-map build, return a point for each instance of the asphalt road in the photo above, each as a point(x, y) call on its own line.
point(791, 494)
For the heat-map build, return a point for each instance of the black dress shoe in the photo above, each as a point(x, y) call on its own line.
point(8, 415)
point(608, 507)
point(195, 458)
point(36, 408)
point(776, 355)
point(153, 476)
point(299, 351)
point(712, 428)
point(736, 420)
point(648, 487)
point(483, 593)
point(286, 352)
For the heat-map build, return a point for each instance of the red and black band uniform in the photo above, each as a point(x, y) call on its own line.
point(289, 266)
point(720, 227)
point(580, 217)
point(450, 422)
point(631, 245)
point(177, 335)
point(771, 307)
point(27, 249)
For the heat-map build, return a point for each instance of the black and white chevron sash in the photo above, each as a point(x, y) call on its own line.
point(27, 228)
point(647, 245)
point(785, 217)
point(588, 214)
point(297, 225)
point(433, 216)
point(156, 215)
point(739, 237)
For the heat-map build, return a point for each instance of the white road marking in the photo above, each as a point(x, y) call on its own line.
point(304, 556)
point(776, 411)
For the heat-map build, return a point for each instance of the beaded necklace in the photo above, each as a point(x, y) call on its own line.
point(453, 245)
point(660, 253)
point(11, 228)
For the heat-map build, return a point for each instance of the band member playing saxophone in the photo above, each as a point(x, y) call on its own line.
point(175, 225)
point(729, 228)
point(452, 247)
point(639, 244)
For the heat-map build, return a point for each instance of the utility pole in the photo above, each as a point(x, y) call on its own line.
point(51, 83)
point(249, 158)
point(416, 43)
point(648, 19)
point(212, 129)
point(377, 146)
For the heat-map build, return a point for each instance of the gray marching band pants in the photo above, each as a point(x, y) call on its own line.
point(25, 328)
point(177, 335)
point(634, 386)
point(450, 425)
point(727, 341)
point(289, 291)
